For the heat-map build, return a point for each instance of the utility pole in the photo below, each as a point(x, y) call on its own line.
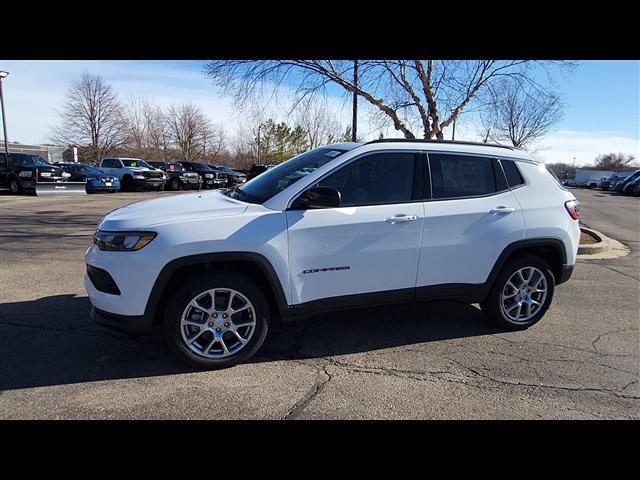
point(258, 154)
point(354, 120)
point(4, 116)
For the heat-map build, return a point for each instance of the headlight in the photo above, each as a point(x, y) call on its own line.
point(208, 175)
point(122, 241)
point(45, 174)
point(65, 174)
point(25, 173)
point(139, 177)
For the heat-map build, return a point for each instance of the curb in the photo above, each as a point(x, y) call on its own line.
point(604, 245)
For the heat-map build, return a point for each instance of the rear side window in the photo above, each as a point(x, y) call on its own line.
point(459, 176)
point(514, 177)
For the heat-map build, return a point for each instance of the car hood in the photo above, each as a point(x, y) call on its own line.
point(175, 208)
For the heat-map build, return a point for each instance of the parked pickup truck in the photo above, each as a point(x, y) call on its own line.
point(210, 178)
point(133, 173)
point(177, 176)
point(19, 171)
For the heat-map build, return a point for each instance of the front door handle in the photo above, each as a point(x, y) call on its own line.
point(401, 218)
point(502, 209)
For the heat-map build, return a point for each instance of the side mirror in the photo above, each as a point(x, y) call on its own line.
point(317, 197)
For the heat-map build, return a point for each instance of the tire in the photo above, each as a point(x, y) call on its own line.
point(176, 333)
point(159, 188)
point(127, 184)
point(493, 305)
point(14, 186)
point(174, 184)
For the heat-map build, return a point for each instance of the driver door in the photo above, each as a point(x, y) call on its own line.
point(370, 244)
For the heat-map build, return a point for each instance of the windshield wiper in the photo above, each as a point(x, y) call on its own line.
point(239, 194)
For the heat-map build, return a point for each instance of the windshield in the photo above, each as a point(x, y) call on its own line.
point(89, 169)
point(175, 167)
point(136, 163)
point(276, 179)
point(202, 166)
point(27, 160)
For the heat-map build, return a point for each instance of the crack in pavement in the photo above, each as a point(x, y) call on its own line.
point(610, 333)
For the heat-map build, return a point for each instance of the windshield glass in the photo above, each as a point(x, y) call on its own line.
point(27, 160)
point(202, 166)
point(89, 169)
point(276, 179)
point(136, 163)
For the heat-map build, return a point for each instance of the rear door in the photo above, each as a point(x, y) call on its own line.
point(371, 243)
point(471, 217)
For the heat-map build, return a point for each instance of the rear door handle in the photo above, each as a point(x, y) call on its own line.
point(502, 209)
point(401, 218)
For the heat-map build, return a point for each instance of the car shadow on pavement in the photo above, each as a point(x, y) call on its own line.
point(52, 341)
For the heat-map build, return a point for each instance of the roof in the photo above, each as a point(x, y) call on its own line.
point(453, 142)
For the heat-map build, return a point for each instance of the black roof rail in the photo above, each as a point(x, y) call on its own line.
point(453, 142)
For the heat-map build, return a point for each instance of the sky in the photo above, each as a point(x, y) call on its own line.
point(602, 102)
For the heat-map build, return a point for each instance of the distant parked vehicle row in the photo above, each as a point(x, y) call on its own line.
point(177, 177)
point(622, 182)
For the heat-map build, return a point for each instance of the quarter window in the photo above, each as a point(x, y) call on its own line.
point(514, 177)
point(459, 176)
point(376, 179)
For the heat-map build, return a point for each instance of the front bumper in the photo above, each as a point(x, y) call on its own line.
point(149, 182)
point(123, 323)
point(98, 185)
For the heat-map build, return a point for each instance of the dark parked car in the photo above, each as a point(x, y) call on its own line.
point(233, 177)
point(620, 185)
point(256, 170)
point(210, 178)
point(177, 176)
point(629, 187)
point(97, 180)
point(19, 171)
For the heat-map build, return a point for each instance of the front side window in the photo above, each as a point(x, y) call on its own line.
point(376, 179)
point(459, 176)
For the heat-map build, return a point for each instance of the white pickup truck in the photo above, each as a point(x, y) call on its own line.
point(133, 173)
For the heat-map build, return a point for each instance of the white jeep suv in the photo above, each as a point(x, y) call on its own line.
point(346, 225)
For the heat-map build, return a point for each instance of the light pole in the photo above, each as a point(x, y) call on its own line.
point(3, 75)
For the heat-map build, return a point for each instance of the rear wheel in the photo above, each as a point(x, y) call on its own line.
point(216, 320)
point(521, 294)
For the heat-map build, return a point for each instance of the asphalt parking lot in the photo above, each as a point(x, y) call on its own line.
point(430, 361)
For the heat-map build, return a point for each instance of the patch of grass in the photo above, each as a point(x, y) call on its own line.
point(587, 239)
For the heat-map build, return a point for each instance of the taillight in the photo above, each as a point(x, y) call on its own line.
point(573, 207)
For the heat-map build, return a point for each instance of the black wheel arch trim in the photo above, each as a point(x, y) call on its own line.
point(555, 243)
point(256, 259)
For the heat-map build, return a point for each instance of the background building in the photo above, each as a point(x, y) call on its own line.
point(51, 153)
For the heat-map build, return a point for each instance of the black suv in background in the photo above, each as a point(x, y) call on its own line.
point(20, 170)
point(210, 177)
point(257, 169)
point(233, 177)
point(177, 176)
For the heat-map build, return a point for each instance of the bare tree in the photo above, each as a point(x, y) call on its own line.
point(318, 122)
point(519, 115)
point(616, 162)
point(157, 130)
point(428, 93)
point(91, 116)
point(190, 129)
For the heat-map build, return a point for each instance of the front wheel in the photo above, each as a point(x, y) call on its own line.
point(521, 294)
point(174, 184)
point(14, 186)
point(216, 320)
